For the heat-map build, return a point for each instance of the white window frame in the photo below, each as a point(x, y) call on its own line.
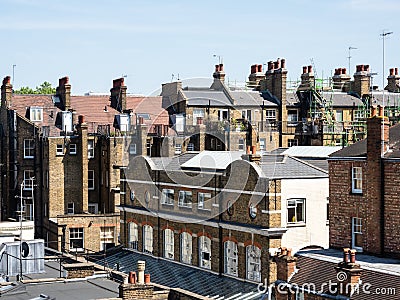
point(186, 247)
point(107, 235)
point(29, 148)
point(183, 199)
point(133, 236)
point(205, 252)
point(356, 229)
point(339, 115)
point(231, 258)
point(90, 144)
point(28, 181)
point(197, 113)
point(72, 149)
point(356, 180)
point(293, 142)
point(78, 234)
point(165, 196)
point(270, 114)
point(147, 239)
point(168, 243)
point(241, 144)
point(29, 211)
point(36, 114)
point(263, 144)
point(132, 148)
point(60, 149)
point(253, 263)
point(294, 205)
point(70, 208)
point(178, 148)
point(247, 114)
point(291, 119)
point(91, 184)
point(202, 199)
point(94, 207)
point(221, 113)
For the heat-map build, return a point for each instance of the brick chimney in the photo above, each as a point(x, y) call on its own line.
point(82, 199)
point(348, 273)
point(219, 77)
point(307, 79)
point(6, 92)
point(118, 95)
point(285, 268)
point(137, 289)
point(63, 91)
point(362, 80)
point(393, 81)
point(341, 80)
point(256, 75)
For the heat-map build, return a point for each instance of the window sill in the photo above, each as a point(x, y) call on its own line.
point(167, 204)
point(28, 157)
point(185, 206)
point(299, 224)
point(204, 209)
point(356, 193)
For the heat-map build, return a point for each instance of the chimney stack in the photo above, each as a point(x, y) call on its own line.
point(362, 80)
point(341, 80)
point(118, 95)
point(393, 79)
point(348, 273)
point(63, 91)
point(307, 79)
point(219, 78)
point(256, 76)
point(6, 92)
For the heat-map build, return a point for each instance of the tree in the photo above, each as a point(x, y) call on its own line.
point(45, 89)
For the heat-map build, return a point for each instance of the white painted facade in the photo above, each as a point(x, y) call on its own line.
point(314, 231)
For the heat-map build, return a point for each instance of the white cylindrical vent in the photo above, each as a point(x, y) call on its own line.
point(141, 267)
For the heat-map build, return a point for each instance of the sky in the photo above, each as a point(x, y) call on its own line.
point(152, 42)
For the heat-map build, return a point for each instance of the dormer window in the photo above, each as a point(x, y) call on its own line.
point(36, 114)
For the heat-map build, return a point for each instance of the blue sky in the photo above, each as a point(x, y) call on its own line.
point(94, 42)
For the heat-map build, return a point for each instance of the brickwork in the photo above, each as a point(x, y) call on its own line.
point(79, 270)
point(130, 291)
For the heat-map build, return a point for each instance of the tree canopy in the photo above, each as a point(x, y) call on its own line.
point(45, 89)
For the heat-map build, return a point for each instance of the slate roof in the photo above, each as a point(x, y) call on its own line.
point(391, 99)
point(359, 149)
point(176, 275)
point(172, 163)
point(212, 160)
point(317, 267)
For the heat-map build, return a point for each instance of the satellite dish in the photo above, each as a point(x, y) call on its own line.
point(24, 249)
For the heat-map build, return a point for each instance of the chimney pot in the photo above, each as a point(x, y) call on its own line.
point(304, 69)
point(283, 63)
point(346, 255)
point(253, 149)
point(353, 256)
point(276, 65)
point(358, 68)
point(147, 278)
point(259, 68)
point(336, 71)
point(6, 80)
point(132, 277)
point(141, 120)
point(373, 111)
point(216, 68)
point(141, 265)
point(344, 71)
point(380, 108)
point(81, 119)
point(270, 65)
point(248, 150)
point(396, 71)
point(309, 69)
point(221, 67)
point(252, 68)
point(391, 70)
point(366, 68)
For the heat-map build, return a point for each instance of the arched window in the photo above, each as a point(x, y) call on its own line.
point(186, 248)
point(205, 252)
point(133, 237)
point(147, 239)
point(169, 243)
point(253, 263)
point(231, 258)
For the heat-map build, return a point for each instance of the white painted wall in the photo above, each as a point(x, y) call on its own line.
point(315, 231)
point(13, 228)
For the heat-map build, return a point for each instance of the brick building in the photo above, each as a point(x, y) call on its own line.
point(221, 211)
point(363, 190)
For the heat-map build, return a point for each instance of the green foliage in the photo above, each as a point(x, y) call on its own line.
point(44, 89)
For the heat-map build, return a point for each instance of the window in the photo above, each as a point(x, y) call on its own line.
point(186, 248)
point(185, 199)
point(133, 237)
point(147, 239)
point(246, 114)
point(72, 149)
point(197, 113)
point(190, 147)
point(70, 208)
point(357, 240)
point(296, 211)
point(28, 180)
point(253, 263)
point(292, 117)
point(178, 148)
point(144, 116)
point(231, 258)
point(169, 243)
point(202, 199)
point(132, 148)
point(106, 237)
point(29, 211)
point(91, 179)
point(241, 144)
point(222, 114)
point(76, 239)
point(270, 114)
point(29, 148)
point(356, 180)
point(167, 197)
point(339, 116)
point(93, 208)
point(36, 114)
point(293, 142)
point(262, 144)
point(60, 149)
point(90, 148)
point(299, 295)
point(205, 252)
